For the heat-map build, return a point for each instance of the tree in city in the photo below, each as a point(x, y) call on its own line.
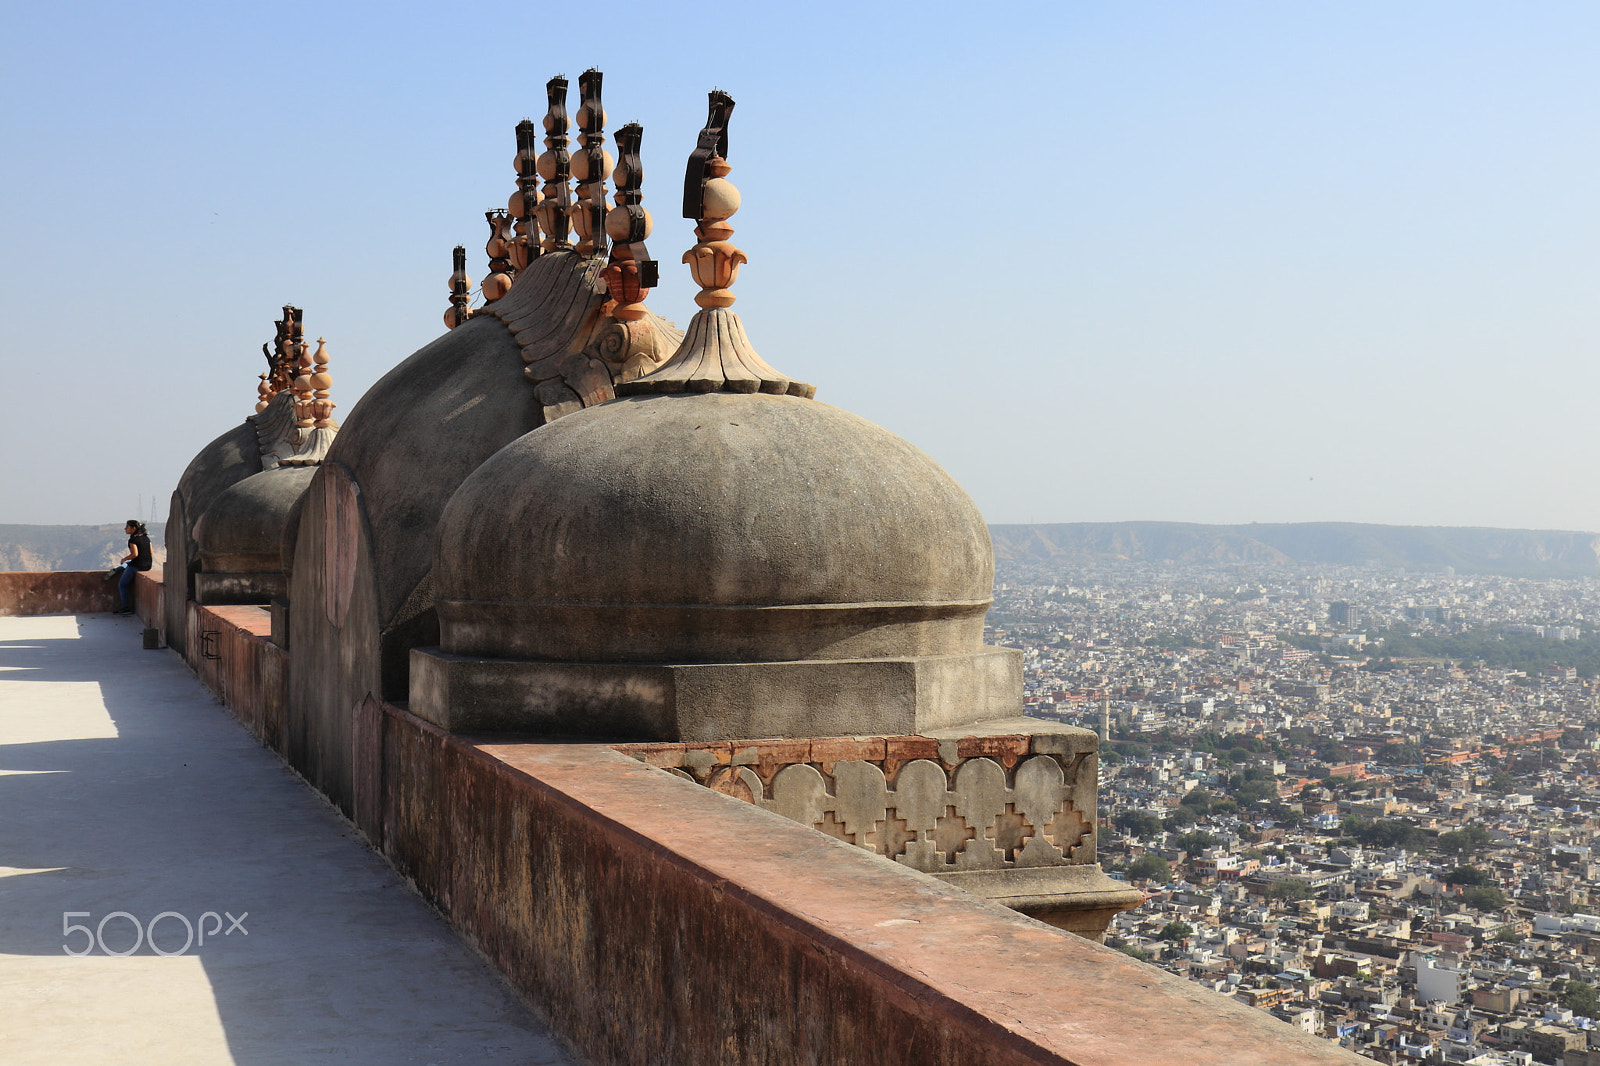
point(1462, 842)
point(1180, 818)
point(1580, 998)
point(1138, 823)
point(1467, 876)
point(1194, 842)
point(1176, 931)
point(1255, 792)
point(1149, 867)
point(1484, 898)
point(1198, 801)
point(1385, 833)
point(1288, 891)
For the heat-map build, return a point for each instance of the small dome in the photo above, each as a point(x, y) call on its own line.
point(713, 527)
point(241, 532)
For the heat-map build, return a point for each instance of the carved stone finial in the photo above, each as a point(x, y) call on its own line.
point(712, 199)
point(322, 381)
point(498, 283)
point(631, 274)
point(293, 419)
point(525, 201)
point(281, 359)
point(460, 290)
point(590, 166)
point(304, 390)
point(715, 355)
point(554, 168)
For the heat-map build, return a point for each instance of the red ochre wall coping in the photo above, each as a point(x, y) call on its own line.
point(56, 592)
point(24, 592)
point(649, 919)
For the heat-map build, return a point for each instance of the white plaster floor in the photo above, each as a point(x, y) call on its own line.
point(125, 787)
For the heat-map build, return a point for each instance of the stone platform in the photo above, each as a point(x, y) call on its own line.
point(124, 787)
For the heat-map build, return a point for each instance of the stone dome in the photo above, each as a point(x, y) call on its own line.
point(242, 530)
point(711, 527)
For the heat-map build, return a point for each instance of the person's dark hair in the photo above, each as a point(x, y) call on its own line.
point(138, 526)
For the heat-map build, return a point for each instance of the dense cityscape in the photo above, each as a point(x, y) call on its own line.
point(1361, 799)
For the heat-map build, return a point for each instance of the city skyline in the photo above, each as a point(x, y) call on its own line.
point(1240, 264)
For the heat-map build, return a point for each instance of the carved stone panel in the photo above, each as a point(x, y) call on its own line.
point(983, 804)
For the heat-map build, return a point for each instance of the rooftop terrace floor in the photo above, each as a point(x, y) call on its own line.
point(125, 787)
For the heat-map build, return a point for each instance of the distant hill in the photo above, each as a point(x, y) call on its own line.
point(69, 547)
point(1470, 550)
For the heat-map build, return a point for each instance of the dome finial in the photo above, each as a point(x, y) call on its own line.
point(525, 201)
point(280, 361)
point(715, 355)
point(590, 166)
point(498, 248)
point(554, 169)
point(303, 388)
point(711, 199)
point(631, 274)
point(322, 381)
point(460, 290)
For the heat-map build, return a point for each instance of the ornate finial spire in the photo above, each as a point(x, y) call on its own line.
point(631, 274)
point(281, 359)
point(293, 419)
point(711, 198)
point(498, 283)
point(322, 381)
point(715, 354)
point(460, 290)
point(590, 166)
point(303, 388)
point(553, 168)
point(525, 201)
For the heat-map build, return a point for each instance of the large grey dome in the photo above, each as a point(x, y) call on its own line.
point(715, 527)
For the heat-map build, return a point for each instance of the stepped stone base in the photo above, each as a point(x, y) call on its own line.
point(713, 701)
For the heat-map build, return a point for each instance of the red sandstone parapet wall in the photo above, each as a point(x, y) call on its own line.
point(652, 920)
point(75, 592)
point(57, 592)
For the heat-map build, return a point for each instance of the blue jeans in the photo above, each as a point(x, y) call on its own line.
point(125, 586)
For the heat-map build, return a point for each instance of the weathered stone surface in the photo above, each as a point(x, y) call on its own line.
point(712, 528)
point(56, 592)
point(859, 799)
point(1080, 899)
point(406, 446)
point(231, 458)
point(257, 588)
point(242, 530)
point(708, 701)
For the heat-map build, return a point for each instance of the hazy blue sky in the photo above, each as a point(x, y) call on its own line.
point(1208, 262)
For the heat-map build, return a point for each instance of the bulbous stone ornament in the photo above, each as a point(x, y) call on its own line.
point(460, 290)
point(498, 248)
